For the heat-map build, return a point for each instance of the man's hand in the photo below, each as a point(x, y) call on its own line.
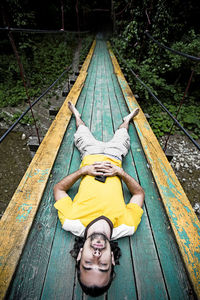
point(110, 170)
point(98, 168)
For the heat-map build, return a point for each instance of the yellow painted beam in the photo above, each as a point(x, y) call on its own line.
point(184, 221)
point(16, 222)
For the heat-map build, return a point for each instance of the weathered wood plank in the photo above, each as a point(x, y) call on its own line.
point(123, 285)
point(18, 217)
point(59, 281)
point(36, 249)
point(143, 239)
point(173, 270)
point(184, 222)
point(96, 125)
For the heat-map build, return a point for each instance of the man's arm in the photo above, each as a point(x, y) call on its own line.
point(135, 189)
point(61, 188)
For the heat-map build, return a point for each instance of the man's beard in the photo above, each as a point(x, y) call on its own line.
point(98, 234)
point(101, 236)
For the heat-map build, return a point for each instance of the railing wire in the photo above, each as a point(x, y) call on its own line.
point(172, 50)
point(32, 104)
point(40, 30)
point(159, 102)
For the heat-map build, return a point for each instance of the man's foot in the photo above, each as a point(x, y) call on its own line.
point(133, 114)
point(73, 109)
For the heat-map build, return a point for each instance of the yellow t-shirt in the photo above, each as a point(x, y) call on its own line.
point(95, 199)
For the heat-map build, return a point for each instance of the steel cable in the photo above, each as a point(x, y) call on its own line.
point(172, 50)
point(32, 104)
point(160, 103)
point(39, 30)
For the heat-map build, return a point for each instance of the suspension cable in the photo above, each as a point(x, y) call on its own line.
point(32, 104)
point(159, 102)
point(40, 30)
point(172, 50)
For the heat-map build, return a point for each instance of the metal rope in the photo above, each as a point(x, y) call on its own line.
point(25, 112)
point(39, 30)
point(172, 50)
point(160, 103)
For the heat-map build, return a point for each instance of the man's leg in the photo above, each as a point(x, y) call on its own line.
point(120, 143)
point(128, 118)
point(76, 114)
point(83, 138)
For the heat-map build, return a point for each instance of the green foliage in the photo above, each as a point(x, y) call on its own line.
point(188, 117)
point(27, 119)
point(9, 119)
point(43, 58)
point(85, 46)
point(165, 73)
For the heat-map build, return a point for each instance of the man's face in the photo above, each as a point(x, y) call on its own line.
point(96, 260)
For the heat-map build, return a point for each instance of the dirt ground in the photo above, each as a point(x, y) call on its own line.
point(186, 165)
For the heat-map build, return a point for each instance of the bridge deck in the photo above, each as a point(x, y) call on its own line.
point(151, 266)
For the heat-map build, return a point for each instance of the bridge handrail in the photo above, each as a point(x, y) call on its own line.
point(159, 102)
point(40, 30)
point(32, 104)
point(170, 49)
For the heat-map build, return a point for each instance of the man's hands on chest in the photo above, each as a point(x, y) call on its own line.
point(102, 168)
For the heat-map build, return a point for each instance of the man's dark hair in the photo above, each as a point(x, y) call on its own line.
point(95, 291)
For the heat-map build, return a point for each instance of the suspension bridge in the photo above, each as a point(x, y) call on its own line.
point(160, 261)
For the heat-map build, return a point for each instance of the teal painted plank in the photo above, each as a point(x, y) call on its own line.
point(123, 285)
point(173, 268)
point(96, 120)
point(96, 123)
point(107, 119)
point(174, 272)
point(61, 269)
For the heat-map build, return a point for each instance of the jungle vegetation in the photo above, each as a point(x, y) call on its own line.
point(173, 23)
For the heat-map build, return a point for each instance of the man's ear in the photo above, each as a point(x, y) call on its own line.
point(79, 255)
point(112, 258)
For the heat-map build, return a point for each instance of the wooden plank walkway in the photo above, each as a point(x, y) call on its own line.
point(151, 266)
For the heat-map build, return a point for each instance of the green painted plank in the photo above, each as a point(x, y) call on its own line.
point(153, 261)
point(96, 120)
point(107, 120)
point(61, 268)
point(173, 268)
point(123, 285)
point(96, 124)
point(174, 272)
